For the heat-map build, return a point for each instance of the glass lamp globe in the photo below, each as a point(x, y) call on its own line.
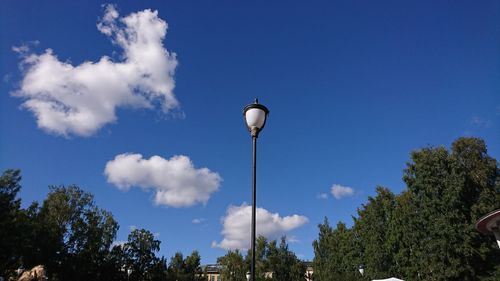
point(255, 117)
point(361, 270)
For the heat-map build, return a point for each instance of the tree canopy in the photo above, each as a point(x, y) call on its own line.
point(428, 231)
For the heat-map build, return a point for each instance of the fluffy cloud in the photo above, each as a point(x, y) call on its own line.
point(79, 100)
point(237, 230)
point(175, 181)
point(339, 191)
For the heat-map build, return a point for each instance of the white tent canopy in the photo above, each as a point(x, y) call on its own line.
point(388, 279)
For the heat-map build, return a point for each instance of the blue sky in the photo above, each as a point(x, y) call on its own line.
point(352, 86)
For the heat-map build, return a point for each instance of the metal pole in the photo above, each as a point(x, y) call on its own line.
point(254, 202)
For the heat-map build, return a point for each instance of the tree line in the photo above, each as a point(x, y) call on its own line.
point(427, 232)
point(273, 262)
point(73, 239)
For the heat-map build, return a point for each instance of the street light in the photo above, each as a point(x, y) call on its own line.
point(361, 270)
point(129, 271)
point(255, 118)
point(490, 224)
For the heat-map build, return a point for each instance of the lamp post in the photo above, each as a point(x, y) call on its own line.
point(361, 270)
point(490, 224)
point(129, 271)
point(255, 118)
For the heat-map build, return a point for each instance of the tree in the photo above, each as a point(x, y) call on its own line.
point(428, 231)
point(176, 267)
point(261, 266)
point(9, 221)
point(192, 265)
point(435, 218)
point(159, 270)
point(372, 230)
point(283, 263)
point(74, 234)
point(336, 253)
point(187, 269)
point(140, 251)
point(233, 266)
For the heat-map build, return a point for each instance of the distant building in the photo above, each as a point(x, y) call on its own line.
point(309, 271)
point(212, 272)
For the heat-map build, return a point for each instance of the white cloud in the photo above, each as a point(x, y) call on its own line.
point(79, 100)
point(198, 221)
point(339, 191)
point(480, 122)
point(236, 226)
point(322, 196)
point(175, 181)
point(292, 240)
point(118, 243)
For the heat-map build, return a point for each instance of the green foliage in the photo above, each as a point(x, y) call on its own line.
point(371, 230)
point(10, 224)
point(449, 192)
point(283, 263)
point(275, 262)
point(187, 269)
point(428, 231)
point(72, 238)
point(77, 234)
point(140, 251)
point(261, 265)
point(233, 267)
point(336, 253)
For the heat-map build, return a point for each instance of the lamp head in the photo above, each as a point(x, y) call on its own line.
point(361, 270)
point(255, 117)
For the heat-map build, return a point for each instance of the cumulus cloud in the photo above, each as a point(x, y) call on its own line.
point(236, 226)
point(339, 191)
point(175, 181)
point(80, 99)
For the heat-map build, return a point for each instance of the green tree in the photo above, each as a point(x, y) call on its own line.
point(192, 265)
point(74, 235)
point(447, 193)
point(159, 270)
point(140, 251)
point(233, 267)
point(115, 265)
point(176, 267)
point(283, 263)
point(187, 269)
point(336, 253)
point(261, 266)
point(10, 227)
point(371, 228)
